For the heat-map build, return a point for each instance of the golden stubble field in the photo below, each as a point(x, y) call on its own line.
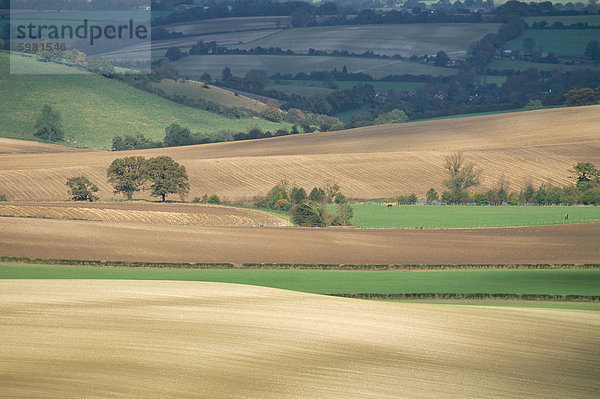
point(139, 339)
point(525, 147)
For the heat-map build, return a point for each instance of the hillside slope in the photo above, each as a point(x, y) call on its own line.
point(95, 109)
point(131, 339)
point(525, 147)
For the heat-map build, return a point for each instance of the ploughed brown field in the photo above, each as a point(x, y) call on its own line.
point(76, 239)
point(140, 339)
point(374, 162)
point(147, 213)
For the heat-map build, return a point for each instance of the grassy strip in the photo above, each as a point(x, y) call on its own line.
point(477, 296)
point(460, 216)
point(110, 263)
point(327, 266)
point(578, 282)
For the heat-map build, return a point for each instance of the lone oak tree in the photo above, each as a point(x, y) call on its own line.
point(167, 177)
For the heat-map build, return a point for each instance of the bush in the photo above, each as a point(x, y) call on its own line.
point(317, 194)
point(432, 196)
point(591, 196)
point(279, 192)
point(3, 197)
point(82, 189)
point(308, 213)
point(340, 199)
point(343, 216)
point(214, 199)
point(406, 199)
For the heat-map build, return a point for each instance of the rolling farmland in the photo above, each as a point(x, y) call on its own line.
point(123, 110)
point(183, 339)
point(374, 162)
point(576, 281)
point(146, 213)
point(403, 39)
point(195, 65)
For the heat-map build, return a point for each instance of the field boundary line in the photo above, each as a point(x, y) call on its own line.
point(304, 266)
point(383, 267)
point(111, 263)
point(442, 296)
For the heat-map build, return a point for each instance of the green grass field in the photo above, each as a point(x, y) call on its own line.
point(448, 216)
point(558, 41)
point(550, 282)
point(194, 66)
point(403, 39)
point(196, 90)
point(95, 109)
point(593, 20)
point(517, 65)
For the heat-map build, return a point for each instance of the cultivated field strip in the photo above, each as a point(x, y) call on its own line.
point(140, 213)
point(78, 239)
point(11, 146)
point(132, 339)
point(525, 147)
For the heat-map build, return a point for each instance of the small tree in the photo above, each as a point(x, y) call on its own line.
point(331, 190)
point(82, 189)
point(432, 196)
point(587, 175)
point(127, 175)
point(167, 177)
point(583, 96)
point(592, 51)
point(317, 194)
point(344, 215)
point(176, 135)
point(441, 59)
point(462, 176)
point(174, 53)
point(49, 125)
point(529, 45)
point(297, 195)
point(308, 214)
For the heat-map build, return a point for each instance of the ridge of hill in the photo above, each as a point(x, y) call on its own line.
point(374, 162)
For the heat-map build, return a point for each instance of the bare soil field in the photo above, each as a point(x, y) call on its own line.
point(147, 213)
point(403, 39)
point(374, 162)
point(132, 339)
point(11, 146)
point(224, 25)
point(75, 239)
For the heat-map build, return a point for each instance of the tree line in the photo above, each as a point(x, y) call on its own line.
point(308, 210)
point(463, 175)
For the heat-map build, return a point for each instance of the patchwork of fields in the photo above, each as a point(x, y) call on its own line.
point(243, 309)
point(375, 162)
point(194, 66)
point(403, 39)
